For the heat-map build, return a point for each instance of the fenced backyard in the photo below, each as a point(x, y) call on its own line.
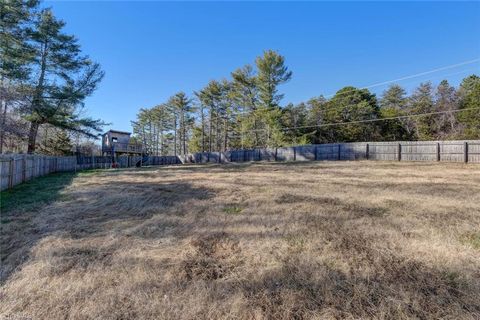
point(254, 240)
point(15, 169)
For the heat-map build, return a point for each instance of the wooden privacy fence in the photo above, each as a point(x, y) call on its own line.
point(18, 168)
point(15, 169)
point(447, 151)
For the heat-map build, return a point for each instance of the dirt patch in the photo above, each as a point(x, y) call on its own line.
point(214, 256)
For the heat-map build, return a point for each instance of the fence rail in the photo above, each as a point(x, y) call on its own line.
point(15, 169)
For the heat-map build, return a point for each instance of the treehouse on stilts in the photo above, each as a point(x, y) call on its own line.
point(116, 143)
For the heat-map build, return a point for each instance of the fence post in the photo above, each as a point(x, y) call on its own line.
point(339, 151)
point(438, 151)
point(367, 151)
point(294, 154)
point(465, 151)
point(276, 150)
point(11, 170)
point(315, 150)
point(24, 171)
point(399, 152)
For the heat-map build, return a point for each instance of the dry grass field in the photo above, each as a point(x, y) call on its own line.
point(316, 240)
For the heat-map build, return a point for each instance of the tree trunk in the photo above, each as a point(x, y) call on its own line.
point(203, 132)
point(184, 134)
point(210, 133)
point(217, 134)
point(225, 141)
point(32, 137)
point(175, 137)
point(32, 134)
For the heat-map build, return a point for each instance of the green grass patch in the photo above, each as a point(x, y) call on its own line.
point(90, 172)
point(232, 210)
point(473, 239)
point(38, 192)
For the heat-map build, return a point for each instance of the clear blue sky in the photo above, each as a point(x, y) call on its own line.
point(151, 50)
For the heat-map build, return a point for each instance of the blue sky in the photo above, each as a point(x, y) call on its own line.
point(151, 50)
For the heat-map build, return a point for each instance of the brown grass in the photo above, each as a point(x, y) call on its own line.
point(353, 240)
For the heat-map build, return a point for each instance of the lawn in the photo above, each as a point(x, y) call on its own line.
point(321, 240)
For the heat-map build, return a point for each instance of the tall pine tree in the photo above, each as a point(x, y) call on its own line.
point(61, 79)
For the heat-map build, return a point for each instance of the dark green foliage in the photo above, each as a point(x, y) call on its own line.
point(338, 118)
point(295, 117)
point(43, 73)
point(62, 78)
point(394, 103)
point(421, 101)
point(56, 143)
point(469, 96)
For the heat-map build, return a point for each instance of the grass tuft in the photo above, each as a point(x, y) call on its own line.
point(233, 209)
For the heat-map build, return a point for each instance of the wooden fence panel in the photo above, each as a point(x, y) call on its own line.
point(305, 153)
point(328, 151)
point(451, 151)
point(383, 151)
point(15, 169)
point(474, 152)
point(285, 154)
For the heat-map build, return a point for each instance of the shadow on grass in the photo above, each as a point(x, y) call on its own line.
point(34, 193)
point(85, 211)
point(38, 192)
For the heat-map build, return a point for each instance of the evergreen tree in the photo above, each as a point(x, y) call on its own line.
point(394, 103)
point(245, 96)
point(15, 54)
point(295, 118)
point(350, 105)
point(56, 142)
point(445, 124)
point(271, 72)
point(61, 79)
point(211, 98)
point(182, 108)
point(469, 99)
point(421, 101)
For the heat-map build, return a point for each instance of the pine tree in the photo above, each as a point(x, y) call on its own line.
point(15, 54)
point(349, 105)
point(469, 100)
point(182, 108)
point(211, 97)
point(271, 73)
point(245, 95)
point(295, 117)
point(394, 103)
point(446, 99)
point(421, 101)
point(60, 80)
point(55, 142)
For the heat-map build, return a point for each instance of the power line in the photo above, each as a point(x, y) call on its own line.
point(390, 81)
point(381, 119)
point(369, 120)
point(418, 74)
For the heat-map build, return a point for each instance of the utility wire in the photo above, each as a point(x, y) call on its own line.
point(390, 81)
point(371, 120)
point(381, 119)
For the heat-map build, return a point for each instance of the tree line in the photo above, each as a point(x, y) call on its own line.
point(245, 111)
point(44, 80)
